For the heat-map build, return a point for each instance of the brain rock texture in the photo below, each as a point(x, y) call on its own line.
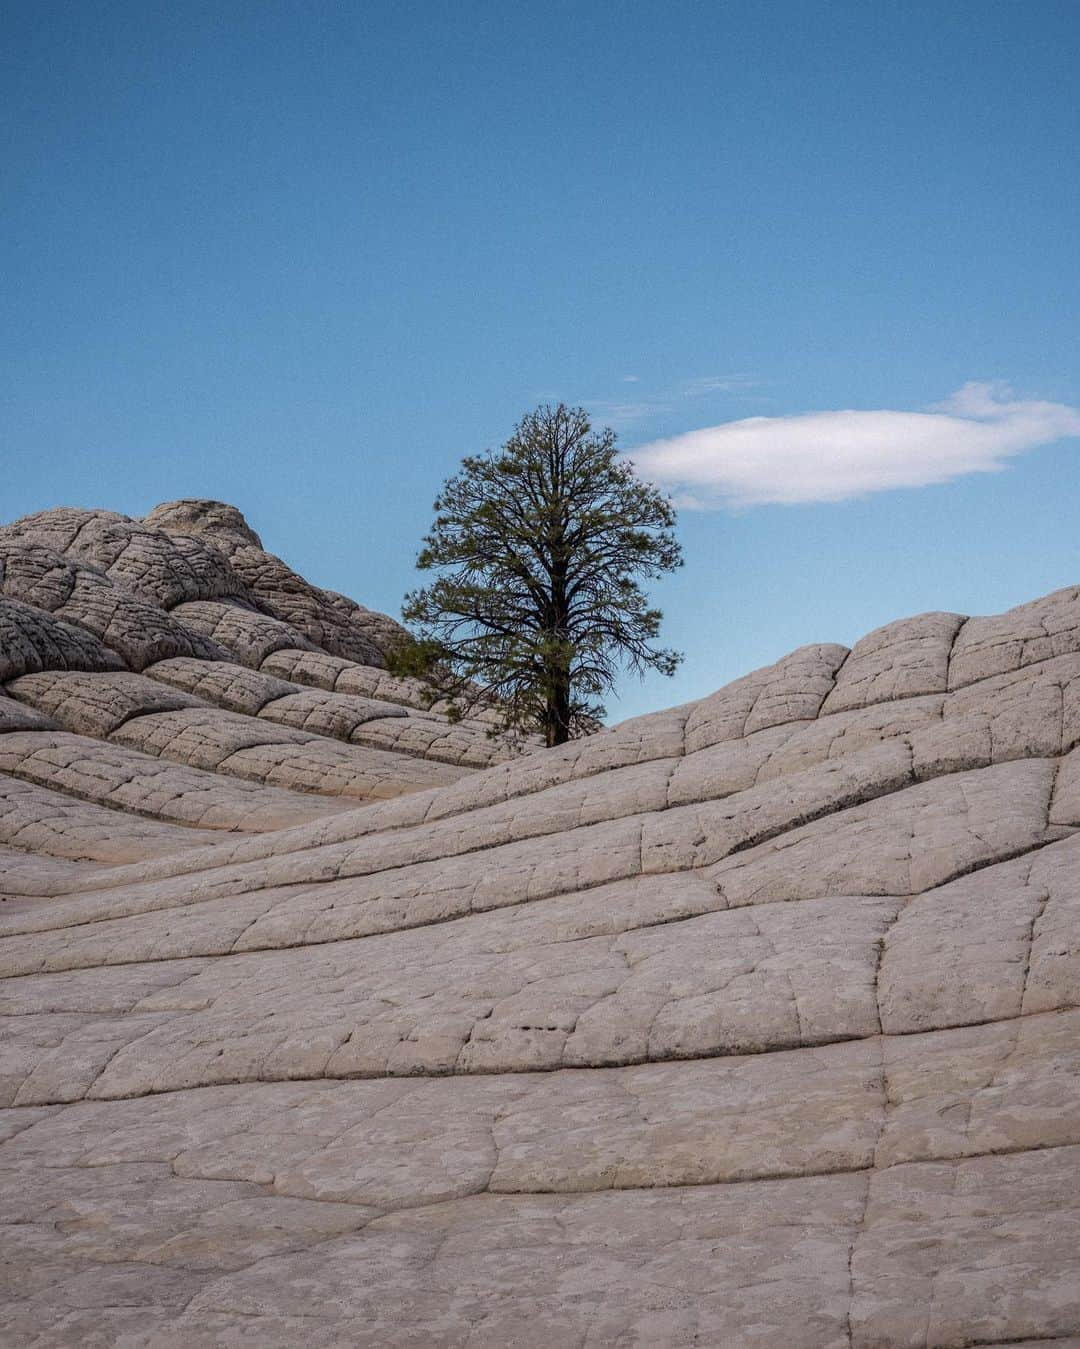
point(325, 1022)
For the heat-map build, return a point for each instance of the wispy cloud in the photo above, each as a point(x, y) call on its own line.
point(623, 414)
point(698, 388)
point(830, 456)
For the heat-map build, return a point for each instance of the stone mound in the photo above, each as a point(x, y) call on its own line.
point(752, 1022)
point(332, 621)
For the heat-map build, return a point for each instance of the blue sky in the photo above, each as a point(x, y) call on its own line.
point(303, 257)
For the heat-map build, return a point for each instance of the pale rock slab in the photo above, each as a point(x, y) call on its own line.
point(112, 775)
point(753, 1022)
point(1030, 633)
point(900, 660)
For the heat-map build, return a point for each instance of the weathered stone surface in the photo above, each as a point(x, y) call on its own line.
point(96, 704)
point(754, 1022)
point(333, 622)
point(32, 640)
point(899, 660)
point(248, 636)
point(1030, 633)
point(232, 687)
point(424, 1001)
point(14, 716)
point(338, 675)
point(873, 1103)
point(26, 877)
point(246, 747)
point(803, 1261)
point(140, 632)
point(36, 820)
point(112, 775)
point(212, 521)
point(791, 690)
point(162, 568)
point(352, 717)
point(981, 1249)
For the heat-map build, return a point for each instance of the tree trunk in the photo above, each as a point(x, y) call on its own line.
point(557, 710)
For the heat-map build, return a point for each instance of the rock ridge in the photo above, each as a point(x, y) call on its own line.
point(751, 1022)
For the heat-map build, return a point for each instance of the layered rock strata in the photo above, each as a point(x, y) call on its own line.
point(753, 1022)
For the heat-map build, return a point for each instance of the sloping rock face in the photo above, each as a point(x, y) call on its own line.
point(155, 651)
point(754, 1022)
point(334, 622)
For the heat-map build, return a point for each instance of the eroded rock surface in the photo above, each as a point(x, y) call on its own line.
point(754, 1022)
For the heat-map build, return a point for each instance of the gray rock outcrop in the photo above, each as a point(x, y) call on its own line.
point(752, 1022)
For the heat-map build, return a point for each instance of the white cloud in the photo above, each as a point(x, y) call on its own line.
point(829, 456)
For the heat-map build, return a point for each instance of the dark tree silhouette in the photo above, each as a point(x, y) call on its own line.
point(541, 547)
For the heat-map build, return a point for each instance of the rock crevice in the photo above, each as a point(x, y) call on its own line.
point(323, 1021)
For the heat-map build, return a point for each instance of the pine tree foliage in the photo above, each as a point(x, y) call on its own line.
point(541, 549)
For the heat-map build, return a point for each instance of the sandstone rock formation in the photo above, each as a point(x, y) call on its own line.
point(753, 1022)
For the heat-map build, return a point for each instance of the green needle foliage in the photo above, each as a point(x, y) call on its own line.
point(540, 548)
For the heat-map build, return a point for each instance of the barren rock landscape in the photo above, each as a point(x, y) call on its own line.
point(329, 1022)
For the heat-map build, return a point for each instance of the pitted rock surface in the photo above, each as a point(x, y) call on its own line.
point(32, 640)
point(753, 1022)
point(213, 521)
point(333, 622)
point(137, 630)
point(153, 565)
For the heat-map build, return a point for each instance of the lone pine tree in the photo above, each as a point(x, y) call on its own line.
point(541, 548)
